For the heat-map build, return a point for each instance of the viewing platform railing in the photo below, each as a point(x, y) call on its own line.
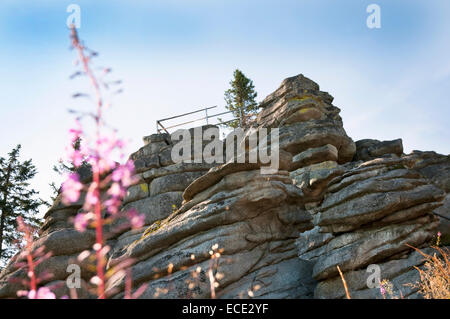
point(160, 127)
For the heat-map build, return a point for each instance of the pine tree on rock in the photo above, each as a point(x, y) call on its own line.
point(16, 199)
point(240, 99)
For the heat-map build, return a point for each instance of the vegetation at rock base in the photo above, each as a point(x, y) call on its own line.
point(434, 275)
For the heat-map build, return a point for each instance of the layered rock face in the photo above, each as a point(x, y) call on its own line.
point(307, 122)
point(367, 216)
point(252, 219)
point(231, 231)
point(436, 168)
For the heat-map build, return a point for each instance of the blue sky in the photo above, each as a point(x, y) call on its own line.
point(175, 56)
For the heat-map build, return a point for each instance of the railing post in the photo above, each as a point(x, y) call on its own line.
point(161, 128)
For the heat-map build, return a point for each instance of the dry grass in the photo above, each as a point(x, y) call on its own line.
point(344, 283)
point(434, 275)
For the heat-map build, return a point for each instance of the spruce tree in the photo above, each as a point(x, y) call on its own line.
point(16, 199)
point(240, 99)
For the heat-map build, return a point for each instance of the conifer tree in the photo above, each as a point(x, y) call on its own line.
point(240, 99)
point(16, 199)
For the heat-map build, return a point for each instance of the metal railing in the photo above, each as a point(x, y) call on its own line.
point(160, 127)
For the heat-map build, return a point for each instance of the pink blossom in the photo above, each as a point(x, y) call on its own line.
point(120, 144)
point(439, 234)
point(137, 220)
point(92, 197)
point(75, 157)
point(82, 221)
point(116, 190)
point(83, 255)
point(104, 147)
point(42, 293)
point(382, 290)
point(124, 174)
point(75, 132)
point(102, 165)
point(71, 188)
point(113, 205)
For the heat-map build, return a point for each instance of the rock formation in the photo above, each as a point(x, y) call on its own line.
point(333, 202)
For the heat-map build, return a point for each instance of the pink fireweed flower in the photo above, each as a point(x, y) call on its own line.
point(83, 255)
point(438, 241)
point(75, 157)
point(382, 290)
point(124, 174)
point(82, 220)
point(42, 293)
point(105, 146)
point(103, 165)
point(92, 196)
point(120, 144)
point(71, 188)
point(113, 205)
point(136, 220)
point(75, 132)
point(116, 190)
